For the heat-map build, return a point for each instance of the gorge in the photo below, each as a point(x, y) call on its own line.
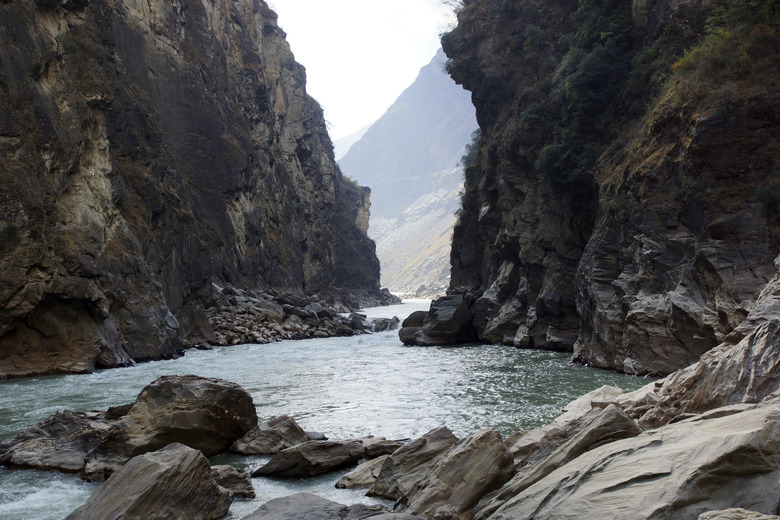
point(168, 183)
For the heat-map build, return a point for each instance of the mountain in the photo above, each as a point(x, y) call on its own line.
point(342, 146)
point(624, 202)
point(152, 153)
point(410, 159)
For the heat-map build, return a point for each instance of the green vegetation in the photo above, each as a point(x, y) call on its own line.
point(68, 44)
point(471, 157)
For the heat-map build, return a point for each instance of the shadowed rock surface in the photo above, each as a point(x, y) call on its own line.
point(624, 202)
point(238, 482)
point(173, 483)
point(151, 150)
point(316, 457)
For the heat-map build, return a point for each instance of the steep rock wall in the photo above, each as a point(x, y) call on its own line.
point(148, 150)
point(621, 208)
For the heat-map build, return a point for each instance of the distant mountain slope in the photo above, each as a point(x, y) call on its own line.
point(341, 146)
point(409, 158)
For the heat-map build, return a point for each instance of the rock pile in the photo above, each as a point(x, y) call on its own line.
point(239, 316)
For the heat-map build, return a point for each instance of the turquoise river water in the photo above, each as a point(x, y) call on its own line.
point(343, 387)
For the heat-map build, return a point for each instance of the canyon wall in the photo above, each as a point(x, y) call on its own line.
point(624, 203)
point(152, 151)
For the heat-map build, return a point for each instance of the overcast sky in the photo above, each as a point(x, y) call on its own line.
point(360, 54)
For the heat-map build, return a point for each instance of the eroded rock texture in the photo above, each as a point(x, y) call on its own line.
point(623, 205)
point(148, 150)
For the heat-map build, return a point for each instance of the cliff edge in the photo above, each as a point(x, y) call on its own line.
point(151, 151)
point(624, 203)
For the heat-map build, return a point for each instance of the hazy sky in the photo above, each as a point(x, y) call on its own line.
point(360, 54)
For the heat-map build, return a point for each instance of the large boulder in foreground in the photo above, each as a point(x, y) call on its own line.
point(452, 486)
point(409, 463)
point(559, 446)
point(305, 506)
point(270, 437)
point(736, 514)
point(729, 457)
point(173, 483)
point(203, 413)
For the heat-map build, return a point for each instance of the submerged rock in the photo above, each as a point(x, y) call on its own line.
point(173, 483)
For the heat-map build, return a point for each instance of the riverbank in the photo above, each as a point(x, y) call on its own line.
point(345, 387)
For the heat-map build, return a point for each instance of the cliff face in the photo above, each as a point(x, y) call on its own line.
point(624, 205)
point(148, 150)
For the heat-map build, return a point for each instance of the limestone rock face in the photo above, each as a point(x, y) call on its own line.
point(148, 151)
point(172, 483)
point(727, 458)
point(452, 486)
point(630, 220)
point(743, 373)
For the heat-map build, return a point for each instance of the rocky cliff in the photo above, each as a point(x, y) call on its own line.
point(150, 152)
point(624, 203)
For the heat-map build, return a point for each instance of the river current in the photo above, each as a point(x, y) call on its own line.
point(343, 387)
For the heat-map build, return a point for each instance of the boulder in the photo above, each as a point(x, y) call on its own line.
point(364, 475)
point(408, 464)
point(305, 506)
point(316, 457)
point(452, 486)
point(448, 321)
point(410, 326)
point(529, 442)
point(559, 446)
point(270, 437)
point(726, 458)
point(172, 483)
point(234, 480)
point(203, 413)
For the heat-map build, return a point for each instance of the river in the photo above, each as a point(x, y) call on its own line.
point(343, 387)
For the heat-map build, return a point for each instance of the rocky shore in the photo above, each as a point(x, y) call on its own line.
point(238, 316)
point(702, 443)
